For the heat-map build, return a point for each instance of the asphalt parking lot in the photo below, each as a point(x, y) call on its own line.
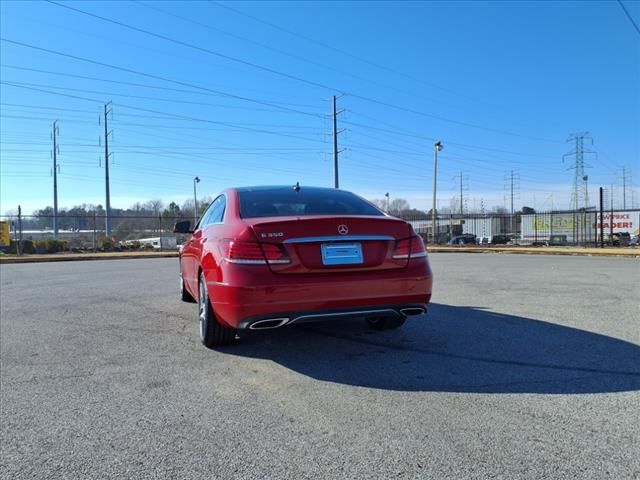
point(525, 367)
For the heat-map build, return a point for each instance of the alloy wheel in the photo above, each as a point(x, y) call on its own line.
point(202, 306)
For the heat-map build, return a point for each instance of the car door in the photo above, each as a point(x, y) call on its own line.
point(211, 232)
point(189, 259)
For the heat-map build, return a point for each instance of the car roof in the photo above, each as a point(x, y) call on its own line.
point(282, 187)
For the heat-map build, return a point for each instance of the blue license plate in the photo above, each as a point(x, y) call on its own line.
point(341, 253)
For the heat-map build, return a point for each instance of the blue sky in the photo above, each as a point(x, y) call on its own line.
point(501, 84)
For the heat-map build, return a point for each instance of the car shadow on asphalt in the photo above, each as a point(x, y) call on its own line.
point(453, 349)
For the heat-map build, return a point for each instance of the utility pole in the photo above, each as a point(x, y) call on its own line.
point(511, 201)
point(196, 180)
point(484, 222)
point(626, 180)
point(336, 132)
point(511, 184)
point(611, 217)
point(585, 179)
point(624, 188)
point(107, 220)
point(436, 148)
point(583, 223)
point(461, 195)
point(462, 188)
point(601, 217)
point(55, 131)
point(19, 236)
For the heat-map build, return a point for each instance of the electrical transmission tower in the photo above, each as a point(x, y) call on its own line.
point(462, 179)
point(511, 187)
point(579, 190)
point(625, 178)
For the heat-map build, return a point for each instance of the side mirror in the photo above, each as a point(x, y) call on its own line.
point(183, 227)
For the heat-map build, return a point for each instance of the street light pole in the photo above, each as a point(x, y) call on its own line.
point(387, 195)
point(436, 148)
point(195, 201)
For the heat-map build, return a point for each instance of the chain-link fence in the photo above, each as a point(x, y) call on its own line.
point(576, 228)
point(80, 233)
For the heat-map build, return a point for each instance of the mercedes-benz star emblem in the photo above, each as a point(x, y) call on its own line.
point(343, 229)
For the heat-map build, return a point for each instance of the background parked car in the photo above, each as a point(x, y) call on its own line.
point(499, 240)
point(466, 239)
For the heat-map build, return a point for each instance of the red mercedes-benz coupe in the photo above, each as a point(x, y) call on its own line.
point(266, 257)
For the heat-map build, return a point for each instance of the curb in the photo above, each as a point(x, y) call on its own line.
point(88, 256)
point(541, 251)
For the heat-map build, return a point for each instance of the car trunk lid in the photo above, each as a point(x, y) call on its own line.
point(323, 244)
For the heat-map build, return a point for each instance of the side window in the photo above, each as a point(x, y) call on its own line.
point(214, 213)
point(204, 220)
point(218, 211)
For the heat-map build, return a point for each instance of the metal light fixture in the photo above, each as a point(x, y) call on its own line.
point(195, 201)
point(436, 148)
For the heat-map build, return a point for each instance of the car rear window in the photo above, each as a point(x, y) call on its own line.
point(287, 202)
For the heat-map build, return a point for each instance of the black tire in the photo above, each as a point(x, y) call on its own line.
point(212, 332)
point(184, 295)
point(385, 323)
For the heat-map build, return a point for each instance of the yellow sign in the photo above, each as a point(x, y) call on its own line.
point(5, 240)
point(560, 222)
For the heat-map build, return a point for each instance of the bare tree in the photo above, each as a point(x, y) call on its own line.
point(380, 203)
point(398, 205)
point(155, 205)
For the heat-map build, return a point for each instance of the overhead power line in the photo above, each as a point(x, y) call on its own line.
point(124, 95)
point(143, 85)
point(105, 80)
point(633, 22)
point(132, 115)
point(406, 133)
point(22, 105)
point(170, 115)
point(156, 77)
point(288, 54)
point(194, 47)
point(287, 75)
point(448, 120)
point(338, 50)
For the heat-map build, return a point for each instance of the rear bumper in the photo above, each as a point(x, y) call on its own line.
point(280, 319)
point(249, 294)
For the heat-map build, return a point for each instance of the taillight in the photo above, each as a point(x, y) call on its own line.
point(253, 253)
point(274, 253)
point(409, 248)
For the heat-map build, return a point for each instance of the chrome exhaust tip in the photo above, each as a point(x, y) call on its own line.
point(407, 312)
point(268, 323)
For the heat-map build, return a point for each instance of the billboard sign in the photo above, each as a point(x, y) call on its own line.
point(5, 239)
point(584, 225)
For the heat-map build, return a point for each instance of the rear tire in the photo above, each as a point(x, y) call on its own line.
point(212, 332)
point(385, 323)
point(184, 295)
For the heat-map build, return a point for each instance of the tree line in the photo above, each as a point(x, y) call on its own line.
point(156, 215)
